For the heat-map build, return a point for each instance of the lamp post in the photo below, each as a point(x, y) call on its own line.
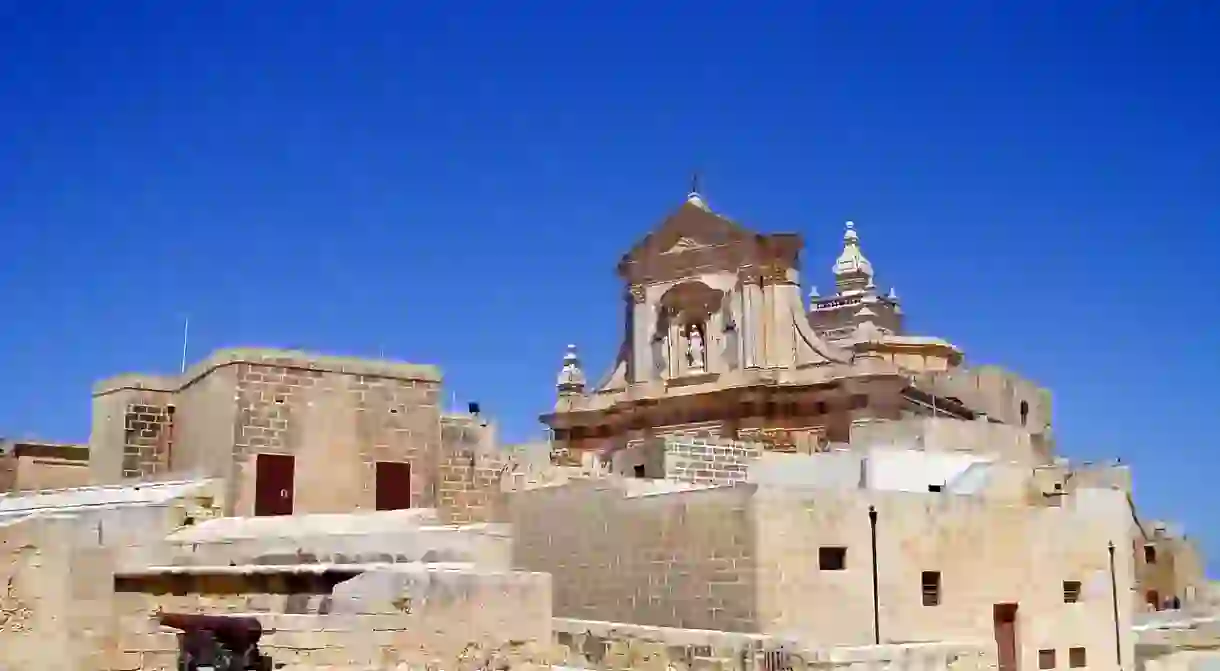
point(872, 523)
point(1118, 640)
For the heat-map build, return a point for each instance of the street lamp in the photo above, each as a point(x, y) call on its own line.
point(1118, 640)
point(872, 523)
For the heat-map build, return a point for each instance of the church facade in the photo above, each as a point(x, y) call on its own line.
point(719, 342)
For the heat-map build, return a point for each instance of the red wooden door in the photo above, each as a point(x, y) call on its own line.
point(273, 484)
point(393, 485)
point(1005, 615)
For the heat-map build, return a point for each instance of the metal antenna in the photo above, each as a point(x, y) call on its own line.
point(186, 333)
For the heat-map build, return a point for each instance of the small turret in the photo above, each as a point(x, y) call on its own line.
point(853, 272)
point(571, 378)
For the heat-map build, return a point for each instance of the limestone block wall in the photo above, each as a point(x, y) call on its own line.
point(707, 461)
point(148, 433)
point(337, 417)
point(131, 431)
point(789, 561)
point(983, 554)
point(1181, 660)
point(136, 534)
point(55, 601)
point(337, 425)
point(1167, 564)
point(1005, 441)
point(999, 393)
point(8, 472)
point(679, 560)
point(34, 473)
point(469, 485)
point(131, 522)
point(615, 646)
point(31, 465)
point(415, 615)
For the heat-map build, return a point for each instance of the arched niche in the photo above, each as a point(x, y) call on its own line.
point(688, 325)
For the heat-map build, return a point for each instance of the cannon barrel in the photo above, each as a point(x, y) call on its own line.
point(238, 633)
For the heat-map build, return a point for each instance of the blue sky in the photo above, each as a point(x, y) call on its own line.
point(1038, 179)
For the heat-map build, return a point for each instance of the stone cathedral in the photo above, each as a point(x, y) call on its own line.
point(719, 342)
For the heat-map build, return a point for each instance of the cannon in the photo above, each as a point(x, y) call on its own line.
point(217, 642)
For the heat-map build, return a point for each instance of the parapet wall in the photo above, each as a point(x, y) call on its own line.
point(399, 536)
point(1008, 442)
point(261, 356)
point(999, 393)
point(133, 521)
point(679, 560)
point(615, 646)
point(408, 614)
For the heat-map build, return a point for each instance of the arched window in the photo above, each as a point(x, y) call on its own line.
point(1024, 412)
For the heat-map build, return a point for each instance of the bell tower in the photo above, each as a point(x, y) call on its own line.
point(856, 303)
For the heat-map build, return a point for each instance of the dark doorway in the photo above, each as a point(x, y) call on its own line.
point(273, 484)
point(1005, 617)
point(393, 485)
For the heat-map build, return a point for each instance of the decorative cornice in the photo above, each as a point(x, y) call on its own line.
point(750, 275)
point(637, 292)
point(269, 357)
point(773, 273)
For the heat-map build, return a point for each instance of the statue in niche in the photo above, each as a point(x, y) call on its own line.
point(696, 356)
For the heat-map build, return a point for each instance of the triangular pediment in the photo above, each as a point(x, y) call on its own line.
point(684, 244)
point(690, 228)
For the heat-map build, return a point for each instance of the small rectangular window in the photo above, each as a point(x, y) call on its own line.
point(639, 470)
point(1046, 659)
point(1149, 554)
point(935, 488)
point(1071, 591)
point(832, 558)
point(931, 588)
point(1077, 659)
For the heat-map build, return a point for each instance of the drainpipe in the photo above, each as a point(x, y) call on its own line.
point(872, 523)
point(1118, 641)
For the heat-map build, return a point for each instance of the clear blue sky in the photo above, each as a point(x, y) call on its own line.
point(1040, 181)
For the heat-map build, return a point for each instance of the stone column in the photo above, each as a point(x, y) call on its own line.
point(643, 321)
point(784, 301)
point(751, 326)
point(675, 345)
point(713, 342)
point(770, 346)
